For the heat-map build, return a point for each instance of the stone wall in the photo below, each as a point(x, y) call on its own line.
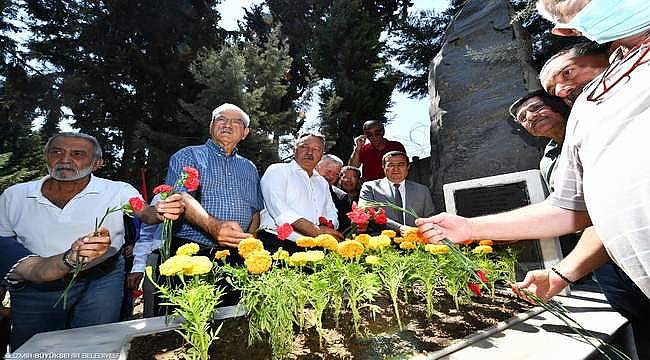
point(482, 68)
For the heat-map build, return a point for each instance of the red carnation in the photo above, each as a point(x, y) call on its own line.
point(191, 172)
point(381, 218)
point(358, 215)
point(475, 288)
point(324, 221)
point(164, 188)
point(284, 231)
point(136, 203)
point(481, 274)
point(191, 183)
point(137, 293)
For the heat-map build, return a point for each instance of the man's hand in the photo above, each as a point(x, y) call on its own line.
point(542, 283)
point(133, 280)
point(228, 233)
point(444, 225)
point(170, 208)
point(90, 247)
point(359, 141)
point(327, 230)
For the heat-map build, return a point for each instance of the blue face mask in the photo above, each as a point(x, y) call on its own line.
point(608, 20)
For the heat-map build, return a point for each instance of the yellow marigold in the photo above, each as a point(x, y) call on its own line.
point(306, 242)
point(258, 261)
point(174, 265)
point(378, 242)
point(198, 265)
point(249, 245)
point(486, 242)
point(363, 239)
point(372, 260)
point(221, 254)
point(280, 255)
point(315, 255)
point(298, 259)
point(390, 233)
point(436, 248)
point(398, 240)
point(327, 241)
point(482, 249)
point(188, 249)
point(350, 249)
point(407, 245)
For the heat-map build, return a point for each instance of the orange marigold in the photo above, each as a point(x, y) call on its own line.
point(390, 233)
point(486, 242)
point(363, 239)
point(221, 254)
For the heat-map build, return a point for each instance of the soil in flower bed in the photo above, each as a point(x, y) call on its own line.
point(381, 339)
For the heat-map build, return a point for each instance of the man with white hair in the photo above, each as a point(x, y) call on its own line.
point(601, 178)
point(329, 167)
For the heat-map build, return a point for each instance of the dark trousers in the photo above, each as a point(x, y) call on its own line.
point(272, 244)
point(627, 299)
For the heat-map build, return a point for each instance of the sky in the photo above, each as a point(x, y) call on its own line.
point(408, 118)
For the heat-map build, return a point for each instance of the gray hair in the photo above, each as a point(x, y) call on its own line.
point(372, 123)
point(319, 136)
point(585, 48)
point(224, 107)
point(97, 154)
point(332, 158)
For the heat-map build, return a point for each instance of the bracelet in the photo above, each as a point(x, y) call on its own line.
point(67, 261)
point(566, 279)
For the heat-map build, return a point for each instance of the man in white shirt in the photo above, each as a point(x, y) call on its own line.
point(295, 194)
point(46, 216)
point(395, 189)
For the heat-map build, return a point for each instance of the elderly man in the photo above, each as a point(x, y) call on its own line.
point(329, 167)
point(606, 133)
point(229, 198)
point(368, 156)
point(394, 188)
point(47, 215)
point(350, 181)
point(566, 73)
point(543, 115)
point(296, 194)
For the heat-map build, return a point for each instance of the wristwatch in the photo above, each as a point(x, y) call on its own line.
point(67, 261)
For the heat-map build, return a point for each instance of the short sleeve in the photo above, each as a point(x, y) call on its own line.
point(568, 193)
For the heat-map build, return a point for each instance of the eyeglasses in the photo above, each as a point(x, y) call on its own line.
point(531, 108)
point(618, 70)
point(222, 120)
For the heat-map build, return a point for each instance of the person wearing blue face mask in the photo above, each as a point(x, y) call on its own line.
point(603, 176)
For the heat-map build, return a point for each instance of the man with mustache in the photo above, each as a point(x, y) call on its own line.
point(296, 194)
point(47, 215)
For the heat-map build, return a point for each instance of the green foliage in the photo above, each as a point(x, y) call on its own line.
point(393, 270)
point(195, 301)
point(250, 76)
point(429, 273)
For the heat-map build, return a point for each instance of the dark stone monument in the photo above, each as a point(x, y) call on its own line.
point(481, 69)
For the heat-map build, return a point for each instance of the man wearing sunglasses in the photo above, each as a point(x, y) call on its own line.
point(602, 168)
point(368, 155)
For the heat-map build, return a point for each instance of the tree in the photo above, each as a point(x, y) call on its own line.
point(250, 74)
point(121, 68)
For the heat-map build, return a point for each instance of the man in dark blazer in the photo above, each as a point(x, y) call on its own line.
point(394, 188)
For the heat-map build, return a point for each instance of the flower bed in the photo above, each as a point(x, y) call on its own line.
point(381, 337)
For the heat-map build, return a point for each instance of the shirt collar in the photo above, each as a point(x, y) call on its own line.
point(390, 183)
point(296, 168)
point(219, 149)
point(93, 187)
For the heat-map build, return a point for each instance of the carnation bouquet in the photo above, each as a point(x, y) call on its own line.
point(189, 180)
